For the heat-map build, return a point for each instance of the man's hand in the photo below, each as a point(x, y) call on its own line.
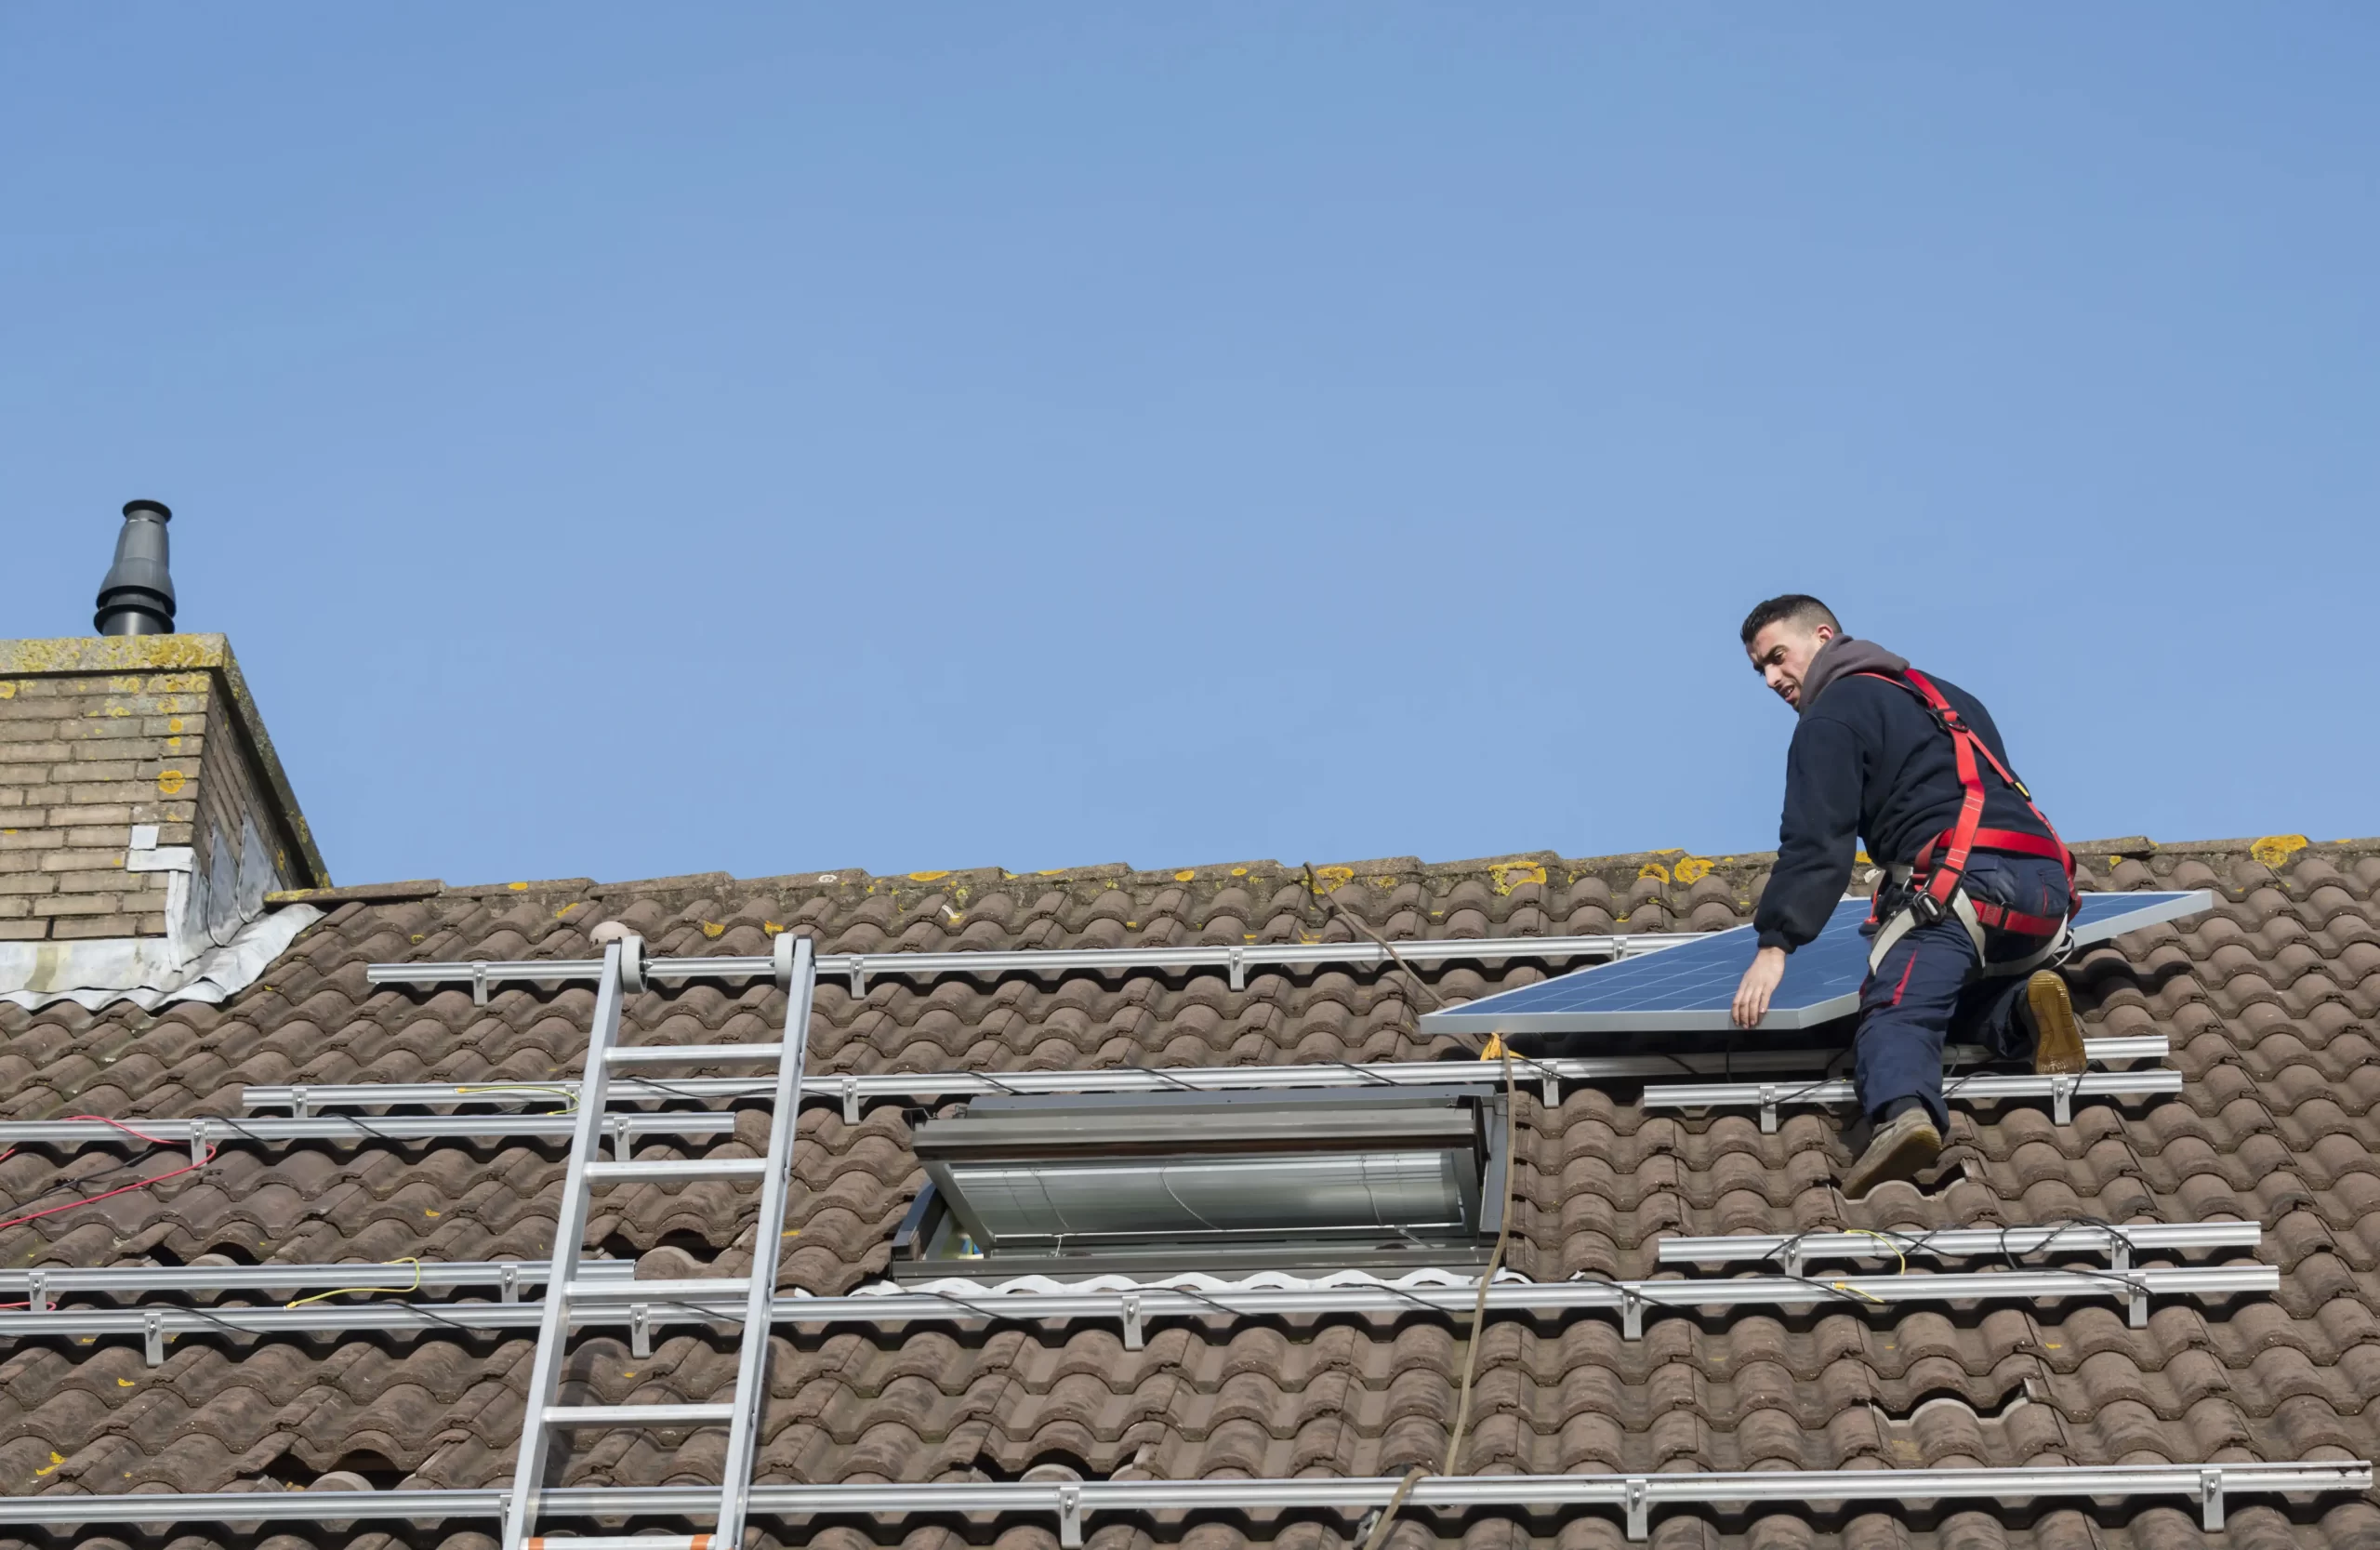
point(1758, 984)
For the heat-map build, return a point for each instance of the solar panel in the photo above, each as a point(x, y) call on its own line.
point(1690, 987)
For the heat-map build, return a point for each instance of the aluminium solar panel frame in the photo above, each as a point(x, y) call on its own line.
point(1636, 1496)
point(1793, 1252)
point(855, 1089)
point(40, 1286)
point(2061, 1089)
point(1135, 1310)
point(622, 1130)
point(1498, 1013)
point(1234, 961)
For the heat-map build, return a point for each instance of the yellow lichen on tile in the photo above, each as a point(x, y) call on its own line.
point(1504, 877)
point(111, 653)
point(2275, 849)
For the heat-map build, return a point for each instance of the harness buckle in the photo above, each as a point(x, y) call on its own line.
point(1926, 908)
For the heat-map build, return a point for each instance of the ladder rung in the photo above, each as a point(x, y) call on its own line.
point(698, 1288)
point(660, 1055)
point(677, 1168)
point(620, 1541)
point(639, 1415)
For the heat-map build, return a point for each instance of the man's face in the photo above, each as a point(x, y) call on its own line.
point(1781, 654)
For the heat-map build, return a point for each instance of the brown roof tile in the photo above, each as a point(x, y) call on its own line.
point(2268, 1001)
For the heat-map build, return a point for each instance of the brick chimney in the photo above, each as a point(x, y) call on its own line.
point(140, 798)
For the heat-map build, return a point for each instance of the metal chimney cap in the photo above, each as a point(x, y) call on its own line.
point(138, 596)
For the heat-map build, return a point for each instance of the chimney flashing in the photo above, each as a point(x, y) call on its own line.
point(144, 854)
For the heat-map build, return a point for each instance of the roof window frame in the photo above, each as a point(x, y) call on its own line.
point(1464, 1123)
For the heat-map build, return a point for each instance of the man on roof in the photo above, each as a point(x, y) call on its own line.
point(1976, 891)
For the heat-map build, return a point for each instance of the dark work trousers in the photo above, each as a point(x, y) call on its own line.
point(1929, 990)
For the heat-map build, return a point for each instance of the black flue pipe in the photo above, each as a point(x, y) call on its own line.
point(138, 596)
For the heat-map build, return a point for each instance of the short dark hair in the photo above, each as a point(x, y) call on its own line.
point(1800, 607)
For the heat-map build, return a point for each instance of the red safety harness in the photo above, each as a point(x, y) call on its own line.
point(1935, 882)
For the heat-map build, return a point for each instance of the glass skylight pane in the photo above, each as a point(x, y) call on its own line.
point(1195, 1197)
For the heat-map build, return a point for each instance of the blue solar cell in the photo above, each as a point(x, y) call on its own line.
point(1691, 986)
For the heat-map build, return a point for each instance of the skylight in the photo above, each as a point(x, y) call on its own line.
point(1081, 1183)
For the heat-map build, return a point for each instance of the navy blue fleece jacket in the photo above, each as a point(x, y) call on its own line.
point(1868, 763)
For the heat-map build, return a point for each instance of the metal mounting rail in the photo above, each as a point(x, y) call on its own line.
point(42, 1286)
point(2061, 1092)
point(2212, 1486)
point(207, 1130)
point(1792, 1251)
point(478, 973)
point(1133, 1310)
point(855, 1089)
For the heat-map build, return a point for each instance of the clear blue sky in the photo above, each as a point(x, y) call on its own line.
point(626, 441)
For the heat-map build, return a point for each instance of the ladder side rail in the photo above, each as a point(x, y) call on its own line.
point(570, 1231)
point(768, 1245)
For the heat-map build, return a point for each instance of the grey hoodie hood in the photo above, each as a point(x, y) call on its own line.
point(1840, 658)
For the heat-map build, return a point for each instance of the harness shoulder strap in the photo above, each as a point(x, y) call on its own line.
point(1972, 753)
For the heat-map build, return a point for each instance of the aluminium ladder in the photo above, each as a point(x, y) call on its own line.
point(622, 972)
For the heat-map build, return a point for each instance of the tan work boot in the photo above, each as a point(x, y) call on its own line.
point(2057, 1037)
point(1902, 1147)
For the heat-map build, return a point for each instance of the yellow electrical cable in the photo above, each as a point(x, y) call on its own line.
point(343, 1291)
point(1863, 1232)
point(1859, 1291)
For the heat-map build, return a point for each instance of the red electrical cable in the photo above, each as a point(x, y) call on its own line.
point(143, 1184)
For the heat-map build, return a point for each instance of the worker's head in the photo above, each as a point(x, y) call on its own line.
point(1782, 634)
